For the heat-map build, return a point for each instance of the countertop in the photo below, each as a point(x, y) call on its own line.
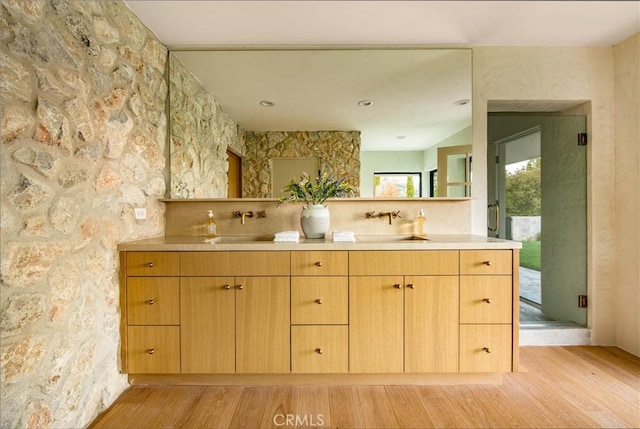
point(363, 242)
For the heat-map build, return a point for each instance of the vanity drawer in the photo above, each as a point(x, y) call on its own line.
point(485, 348)
point(485, 299)
point(153, 300)
point(319, 349)
point(319, 263)
point(234, 263)
point(319, 300)
point(403, 262)
point(153, 349)
point(486, 262)
point(153, 263)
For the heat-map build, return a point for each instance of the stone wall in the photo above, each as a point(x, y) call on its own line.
point(338, 151)
point(201, 132)
point(83, 131)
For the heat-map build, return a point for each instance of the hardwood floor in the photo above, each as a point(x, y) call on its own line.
point(580, 387)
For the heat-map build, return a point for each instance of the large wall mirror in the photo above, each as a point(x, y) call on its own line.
point(363, 113)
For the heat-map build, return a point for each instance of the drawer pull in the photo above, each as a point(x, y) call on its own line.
point(151, 351)
point(486, 349)
point(319, 301)
point(151, 264)
point(319, 264)
point(226, 287)
point(397, 286)
point(240, 287)
point(487, 263)
point(411, 286)
point(319, 351)
point(151, 302)
point(487, 300)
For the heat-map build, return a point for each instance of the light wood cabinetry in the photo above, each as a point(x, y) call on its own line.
point(431, 324)
point(488, 313)
point(262, 325)
point(312, 312)
point(319, 349)
point(319, 312)
point(376, 324)
point(408, 322)
point(208, 323)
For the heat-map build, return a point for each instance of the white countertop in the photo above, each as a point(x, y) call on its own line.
point(363, 242)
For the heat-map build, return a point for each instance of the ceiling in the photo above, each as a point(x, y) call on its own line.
point(373, 24)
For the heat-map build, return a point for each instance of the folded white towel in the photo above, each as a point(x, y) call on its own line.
point(287, 237)
point(346, 236)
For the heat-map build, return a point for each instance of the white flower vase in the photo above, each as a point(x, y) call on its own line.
point(314, 220)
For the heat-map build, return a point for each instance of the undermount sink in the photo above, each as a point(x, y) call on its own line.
point(389, 238)
point(235, 239)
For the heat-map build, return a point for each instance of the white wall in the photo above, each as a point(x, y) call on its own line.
point(528, 77)
point(627, 193)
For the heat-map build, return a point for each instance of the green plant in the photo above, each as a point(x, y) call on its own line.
point(308, 192)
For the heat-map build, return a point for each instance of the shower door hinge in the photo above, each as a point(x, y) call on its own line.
point(582, 139)
point(582, 301)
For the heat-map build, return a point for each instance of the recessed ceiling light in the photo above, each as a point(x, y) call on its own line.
point(401, 137)
point(462, 102)
point(267, 103)
point(365, 103)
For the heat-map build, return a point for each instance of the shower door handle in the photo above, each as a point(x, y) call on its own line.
point(496, 210)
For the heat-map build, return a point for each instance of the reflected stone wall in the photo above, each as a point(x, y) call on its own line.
point(338, 151)
point(201, 132)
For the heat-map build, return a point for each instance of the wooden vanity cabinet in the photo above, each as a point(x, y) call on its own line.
point(406, 322)
point(319, 312)
point(151, 335)
point(235, 312)
point(488, 312)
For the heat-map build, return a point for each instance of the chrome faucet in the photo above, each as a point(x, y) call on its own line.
point(244, 215)
point(390, 215)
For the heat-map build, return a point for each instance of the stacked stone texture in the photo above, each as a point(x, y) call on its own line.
point(201, 132)
point(83, 131)
point(338, 152)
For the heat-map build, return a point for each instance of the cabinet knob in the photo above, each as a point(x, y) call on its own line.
point(240, 286)
point(486, 349)
point(411, 286)
point(151, 302)
point(151, 264)
point(319, 351)
point(319, 301)
point(319, 264)
point(151, 351)
point(487, 300)
point(227, 287)
point(487, 263)
point(397, 286)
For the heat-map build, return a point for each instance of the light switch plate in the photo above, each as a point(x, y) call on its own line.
point(140, 213)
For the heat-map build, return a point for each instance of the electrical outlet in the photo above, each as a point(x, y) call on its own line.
point(140, 213)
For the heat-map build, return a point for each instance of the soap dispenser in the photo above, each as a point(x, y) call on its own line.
point(211, 224)
point(420, 221)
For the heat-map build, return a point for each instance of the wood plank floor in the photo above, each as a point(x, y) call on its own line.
point(581, 387)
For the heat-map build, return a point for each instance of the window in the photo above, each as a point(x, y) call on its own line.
point(433, 183)
point(397, 185)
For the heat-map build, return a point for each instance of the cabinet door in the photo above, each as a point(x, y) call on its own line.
point(262, 324)
point(376, 324)
point(207, 307)
point(431, 324)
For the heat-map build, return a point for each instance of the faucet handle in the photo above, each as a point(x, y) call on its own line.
point(262, 213)
point(237, 213)
point(396, 214)
point(370, 215)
